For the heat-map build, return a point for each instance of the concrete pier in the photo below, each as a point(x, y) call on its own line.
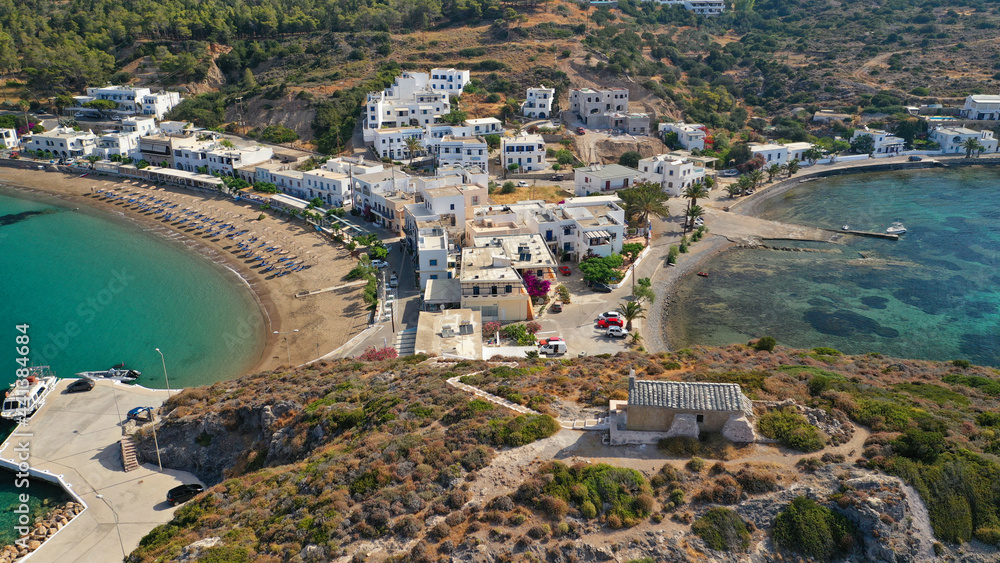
point(77, 436)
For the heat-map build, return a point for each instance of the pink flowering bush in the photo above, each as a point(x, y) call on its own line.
point(536, 287)
point(533, 327)
point(374, 354)
point(490, 329)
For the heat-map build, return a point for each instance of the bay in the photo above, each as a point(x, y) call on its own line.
point(934, 294)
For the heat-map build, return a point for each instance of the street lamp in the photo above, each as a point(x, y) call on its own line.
point(287, 352)
point(165, 378)
point(117, 528)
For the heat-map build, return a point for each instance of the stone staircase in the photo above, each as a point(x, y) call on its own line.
point(128, 454)
point(406, 341)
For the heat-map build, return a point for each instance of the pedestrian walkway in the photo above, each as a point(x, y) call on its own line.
point(406, 341)
point(601, 423)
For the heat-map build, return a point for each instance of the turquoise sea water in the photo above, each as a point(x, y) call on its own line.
point(934, 294)
point(97, 291)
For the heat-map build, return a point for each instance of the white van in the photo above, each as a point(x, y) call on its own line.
point(552, 347)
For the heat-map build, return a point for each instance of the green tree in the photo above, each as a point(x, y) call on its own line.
point(602, 269)
point(24, 106)
point(101, 105)
point(693, 193)
point(772, 171)
point(642, 200)
point(812, 155)
point(863, 144)
point(756, 178)
point(733, 189)
point(630, 159)
point(971, 145)
point(631, 310)
point(413, 145)
point(693, 213)
point(811, 529)
point(249, 80)
point(454, 117)
point(740, 153)
point(492, 141)
point(92, 159)
point(792, 167)
point(227, 143)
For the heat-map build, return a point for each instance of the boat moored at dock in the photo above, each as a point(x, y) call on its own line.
point(27, 394)
point(123, 374)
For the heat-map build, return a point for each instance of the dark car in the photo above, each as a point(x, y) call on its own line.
point(602, 288)
point(184, 493)
point(80, 385)
point(914, 158)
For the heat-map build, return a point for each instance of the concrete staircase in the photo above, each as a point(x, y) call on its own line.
point(406, 341)
point(128, 454)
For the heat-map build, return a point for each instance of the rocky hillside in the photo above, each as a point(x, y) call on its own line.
point(353, 461)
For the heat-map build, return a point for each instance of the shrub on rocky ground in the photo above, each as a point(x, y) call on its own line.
point(791, 429)
point(813, 530)
point(722, 530)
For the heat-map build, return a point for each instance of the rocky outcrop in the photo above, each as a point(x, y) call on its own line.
point(192, 552)
point(208, 444)
point(835, 425)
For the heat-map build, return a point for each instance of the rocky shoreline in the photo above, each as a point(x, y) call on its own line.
point(44, 529)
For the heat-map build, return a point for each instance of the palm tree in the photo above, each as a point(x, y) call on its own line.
point(693, 192)
point(971, 144)
point(412, 146)
point(734, 189)
point(631, 310)
point(792, 166)
point(92, 159)
point(772, 171)
point(709, 182)
point(644, 199)
point(757, 177)
point(744, 183)
point(693, 213)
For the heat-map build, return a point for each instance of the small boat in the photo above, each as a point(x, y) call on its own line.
point(703, 274)
point(896, 229)
point(27, 394)
point(126, 375)
point(118, 366)
point(846, 228)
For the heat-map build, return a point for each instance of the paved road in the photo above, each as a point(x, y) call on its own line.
point(77, 436)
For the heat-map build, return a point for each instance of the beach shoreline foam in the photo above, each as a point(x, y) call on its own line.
point(321, 329)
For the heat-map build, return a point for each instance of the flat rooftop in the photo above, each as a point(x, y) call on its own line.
point(488, 265)
point(524, 251)
point(454, 333)
point(608, 171)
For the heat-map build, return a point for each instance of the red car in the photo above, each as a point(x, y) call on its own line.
point(580, 131)
point(564, 270)
point(605, 323)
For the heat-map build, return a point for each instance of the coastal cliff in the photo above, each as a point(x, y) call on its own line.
point(352, 461)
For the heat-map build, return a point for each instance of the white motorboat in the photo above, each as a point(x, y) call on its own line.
point(896, 229)
point(118, 374)
point(27, 394)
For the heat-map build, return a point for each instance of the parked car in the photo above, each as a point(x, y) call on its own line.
point(556, 307)
point(379, 263)
point(914, 158)
point(393, 281)
point(564, 270)
point(608, 323)
point(79, 115)
point(184, 493)
point(609, 315)
point(522, 184)
point(81, 385)
point(601, 287)
point(558, 178)
point(142, 414)
point(580, 131)
point(617, 332)
point(552, 346)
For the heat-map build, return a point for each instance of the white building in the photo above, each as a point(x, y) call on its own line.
point(129, 99)
point(797, 151)
point(538, 102)
point(952, 138)
point(9, 138)
point(607, 108)
point(390, 142)
point(352, 165)
point(527, 151)
point(485, 126)
point(332, 187)
point(601, 178)
point(449, 80)
point(771, 153)
point(124, 144)
point(157, 105)
point(141, 125)
point(981, 107)
point(434, 259)
point(691, 136)
point(382, 182)
point(884, 142)
point(413, 99)
point(175, 127)
point(64, 142)
point(673, 174)
point(701, 7)
point(463, 151)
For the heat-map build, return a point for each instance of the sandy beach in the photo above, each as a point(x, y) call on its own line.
point(325, 321)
